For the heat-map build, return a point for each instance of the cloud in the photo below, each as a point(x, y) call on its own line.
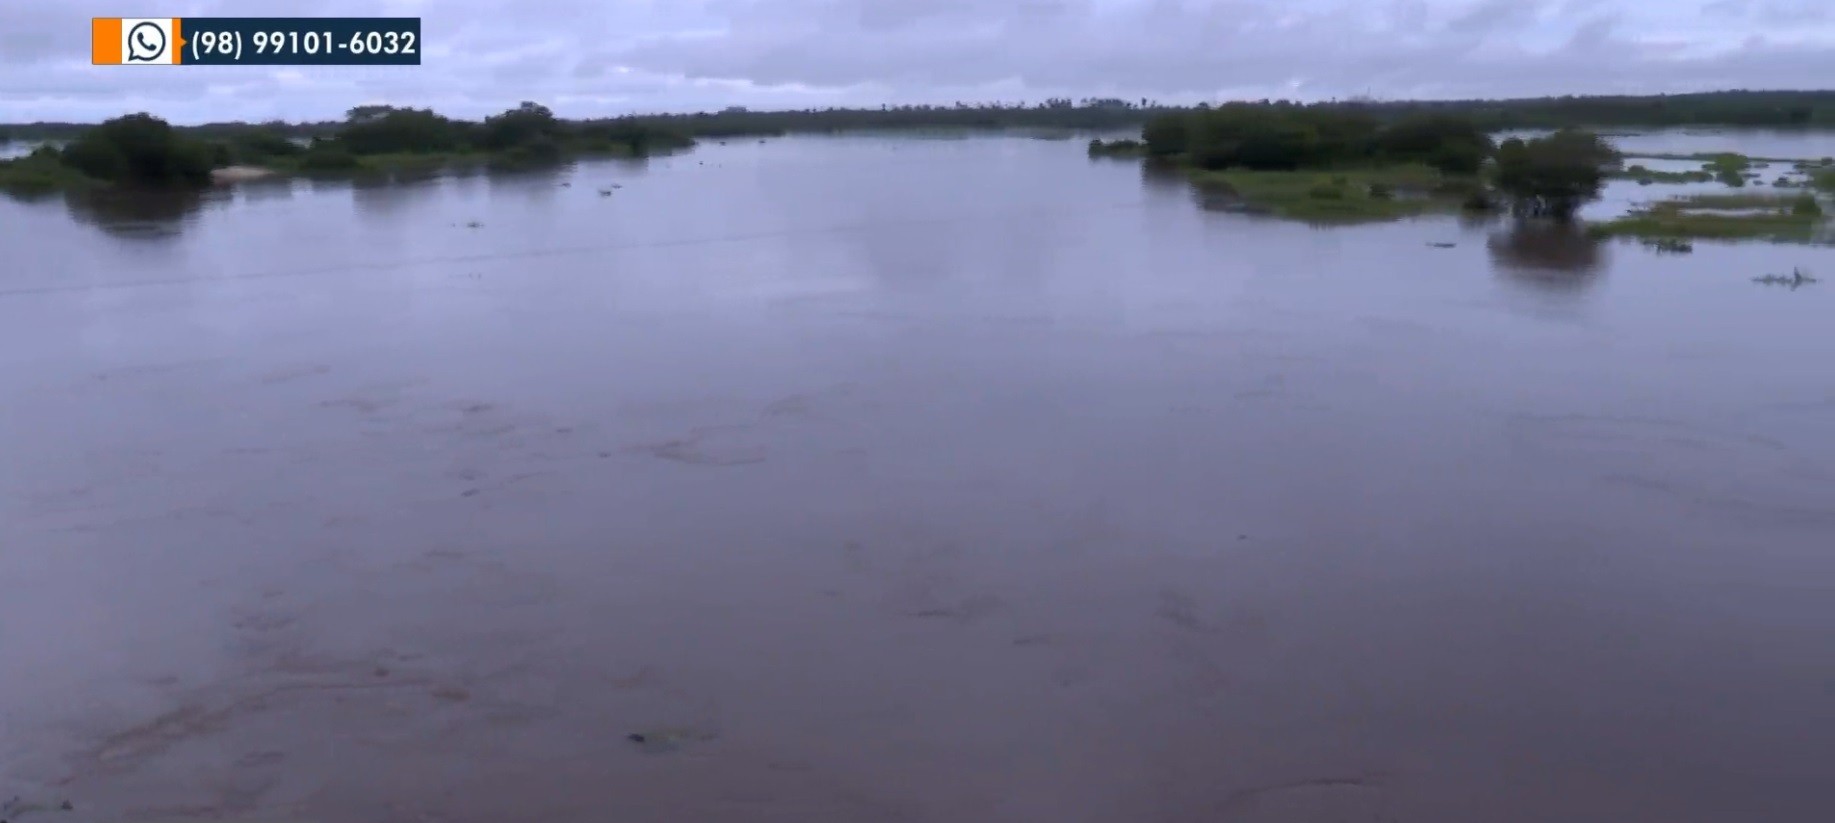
point(591, 58)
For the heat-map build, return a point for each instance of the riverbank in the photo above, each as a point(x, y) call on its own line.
point(238, 174)
point(43, 172)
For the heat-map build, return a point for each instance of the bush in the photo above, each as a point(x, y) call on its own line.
point(524, 125)
point(1116, 148)
point(1552, 176)
point(100, 159)
point(540, 151)
point(1168, 135)
point(1326, 191)
point(1806, 206)
point(388, 130)
point(328, 156)
point(40, 172)
point(140, 149)
point(259, 145)
point(1380, 191)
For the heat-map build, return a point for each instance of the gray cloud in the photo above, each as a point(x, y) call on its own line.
point(1773, 12)
point(595, 58)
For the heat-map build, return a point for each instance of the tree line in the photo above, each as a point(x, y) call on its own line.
point(1727, 108)
point(143, 150)
point(1285, 137)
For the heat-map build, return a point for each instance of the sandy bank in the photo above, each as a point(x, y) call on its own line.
point(237, 174)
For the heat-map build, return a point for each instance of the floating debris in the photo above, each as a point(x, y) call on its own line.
point(661, 741)
point(474, 225)
point(18, 807)
point(566, 185)
point(605, 192)
point(1797, 277)
point(1443, 245)
point(1670, 245)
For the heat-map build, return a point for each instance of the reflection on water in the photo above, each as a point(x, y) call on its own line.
point(381, 197)
point(1548, 254)
point(1163, 175)
point(538, 185)
point(143, 215)
point(265, 189)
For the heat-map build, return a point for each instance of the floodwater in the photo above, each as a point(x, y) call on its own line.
point(896, 480)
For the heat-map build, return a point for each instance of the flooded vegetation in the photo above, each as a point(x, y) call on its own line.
point(142, 151)
point(872, 479)
point(1786, 217)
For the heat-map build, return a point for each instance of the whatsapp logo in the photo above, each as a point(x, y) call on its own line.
point(146, 43)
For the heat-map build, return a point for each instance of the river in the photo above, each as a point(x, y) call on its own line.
point(878, 479)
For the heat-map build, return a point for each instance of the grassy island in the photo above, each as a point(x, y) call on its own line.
point(1781, 217)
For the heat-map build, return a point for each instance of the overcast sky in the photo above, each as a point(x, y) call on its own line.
point(601, 57)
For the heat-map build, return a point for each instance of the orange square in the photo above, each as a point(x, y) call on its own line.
point(105, 41)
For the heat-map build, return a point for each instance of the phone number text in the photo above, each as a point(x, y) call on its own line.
point(298, 41)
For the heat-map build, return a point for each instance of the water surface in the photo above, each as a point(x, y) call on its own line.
point(889, 480)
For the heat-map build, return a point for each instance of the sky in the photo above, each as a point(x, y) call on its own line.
point(589, 58)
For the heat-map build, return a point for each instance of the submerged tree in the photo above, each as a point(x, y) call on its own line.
point(1554, 176)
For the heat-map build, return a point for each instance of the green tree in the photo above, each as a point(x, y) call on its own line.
point(636, 136)
point(140, 149)
point(526, 124)
point(1168, 135)
point(1554, 176)
point(256, 144)
point(389, 130)
point(1450, 143)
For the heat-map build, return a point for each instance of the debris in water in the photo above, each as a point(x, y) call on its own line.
point(474, 225)
point(1443, 245)
point(661, 741)
point(16, 808)
point(1797, 277)
point(605, 192)
point(1670, 245)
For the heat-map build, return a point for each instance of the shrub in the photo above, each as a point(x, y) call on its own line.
point(140, 149)
point(328, 157)
point(1326, 191)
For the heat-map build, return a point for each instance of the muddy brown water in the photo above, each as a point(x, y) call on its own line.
point(901, 480)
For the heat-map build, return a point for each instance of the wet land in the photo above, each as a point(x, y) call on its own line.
point(880, 479)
